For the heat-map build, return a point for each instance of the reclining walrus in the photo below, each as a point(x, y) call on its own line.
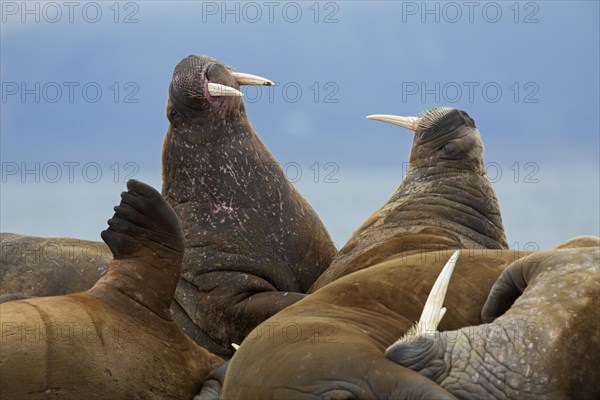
point(116, 340)
point(544, 346)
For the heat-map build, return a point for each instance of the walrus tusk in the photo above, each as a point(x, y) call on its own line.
point(249, 79)
point(433, 312)
point(235, 346)
point(405, 122)
point(216, 89)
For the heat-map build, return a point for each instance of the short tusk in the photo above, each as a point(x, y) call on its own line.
point(433, 311)
point(249, 79)
point(235, 346)
point(216, 89)
point(405, 122)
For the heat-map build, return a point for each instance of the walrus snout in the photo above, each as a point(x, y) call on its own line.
point(201, 83)
point(442, 121)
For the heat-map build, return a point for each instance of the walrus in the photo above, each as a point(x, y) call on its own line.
point(253, 244)
point(540, 338)
point(335, 338)
point(116, 340)
point(38, 266)
point(446, 200)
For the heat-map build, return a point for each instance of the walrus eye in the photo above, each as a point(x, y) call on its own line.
point(173, 116)
point(449, 149)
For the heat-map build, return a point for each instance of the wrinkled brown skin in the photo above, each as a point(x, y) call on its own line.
point(37, 266)
point(116, 340)
point(446, 201)
point(541, 337)
point(253, 244)
point(337, 336)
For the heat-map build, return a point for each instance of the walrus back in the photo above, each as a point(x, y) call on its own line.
point(76, 347)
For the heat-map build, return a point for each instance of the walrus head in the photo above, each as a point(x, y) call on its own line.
point(442, 136)
point(205, 92)
point(445, 201)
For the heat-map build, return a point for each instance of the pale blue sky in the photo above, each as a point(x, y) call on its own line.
point(358, 58)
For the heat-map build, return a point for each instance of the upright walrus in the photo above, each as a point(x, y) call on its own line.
point(446, 200)
point(253, 244)
point(117, 340)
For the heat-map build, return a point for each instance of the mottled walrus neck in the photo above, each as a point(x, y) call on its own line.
point(446, 200)
point(194, 159)
point(209, 135)
point(146, 240)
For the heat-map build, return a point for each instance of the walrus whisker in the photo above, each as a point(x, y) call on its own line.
point(216, 89)
point(410, 123)
point(249, 79)
point(433, 116)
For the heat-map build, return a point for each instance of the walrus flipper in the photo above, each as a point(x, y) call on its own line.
point(132, 348)
point(143, 219)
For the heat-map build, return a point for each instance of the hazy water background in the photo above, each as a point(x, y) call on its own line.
point(539, 215)
point(339, 61)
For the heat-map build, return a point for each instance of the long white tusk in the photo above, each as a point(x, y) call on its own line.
point(216, 89)
point(405, 122)
point(433, 311)
point(249, 79)
point(235, 346)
